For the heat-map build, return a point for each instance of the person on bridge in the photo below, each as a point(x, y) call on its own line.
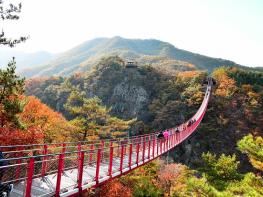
point(204, 81)
point(166, 134)
point(190, 123)
point(213, 81)
point(160, 135)
point(2, 163)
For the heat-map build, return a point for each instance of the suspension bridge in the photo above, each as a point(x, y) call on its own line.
point(68, 169)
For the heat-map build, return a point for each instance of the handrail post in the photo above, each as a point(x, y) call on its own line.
point(165, 144)
point(44, 161)
point(98, 166)
point(79, 149)
point(30, 174)
point(171, 135)
point(59, 175)
point(153, 148)
point(80, 171)
point(174, 139)
point(125, 145)
point(143, 149)
point(122, 155)
point(158, 143)
point(182, 136)
point(63, 148)
point(169, 141)
point(63, 153)
point(118, 150)
point(110, 160)
point(130, 156)
point(137, 153)
point(161, 146)
point(149, 147)
point(91, 153)
point(102, 148)
point(179, 136)
point(174, 143)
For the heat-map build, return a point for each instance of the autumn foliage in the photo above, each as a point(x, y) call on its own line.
point(26, 120)
point(51, 124)
point(114, 188)
point(189, 74)
point(227, 85)
point(253, 147)
point(11, 136)
point(41, 124)
point(170, 177)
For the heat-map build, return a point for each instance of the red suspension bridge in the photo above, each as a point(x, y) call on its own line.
point(70, 168)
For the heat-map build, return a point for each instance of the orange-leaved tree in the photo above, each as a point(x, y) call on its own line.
point(14, 136)
point(52, 124)
point(227, 86)
point(115, 188)
point(170, 177)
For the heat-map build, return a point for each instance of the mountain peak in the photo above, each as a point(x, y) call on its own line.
point(145, 51)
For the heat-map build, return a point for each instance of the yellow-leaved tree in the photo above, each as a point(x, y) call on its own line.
point(253, 147)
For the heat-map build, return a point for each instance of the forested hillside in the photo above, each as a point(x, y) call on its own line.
point(161, 100)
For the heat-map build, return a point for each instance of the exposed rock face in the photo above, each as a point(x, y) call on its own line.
point(128, 99)
point(122, 89)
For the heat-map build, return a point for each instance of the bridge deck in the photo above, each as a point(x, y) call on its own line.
point(46, 186)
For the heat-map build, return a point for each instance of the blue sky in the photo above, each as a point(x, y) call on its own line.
point(230, 29)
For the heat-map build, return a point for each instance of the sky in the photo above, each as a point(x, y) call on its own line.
point(229, 29)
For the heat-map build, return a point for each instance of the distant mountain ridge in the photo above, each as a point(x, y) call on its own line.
point(149, 51)
point(24, 60)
